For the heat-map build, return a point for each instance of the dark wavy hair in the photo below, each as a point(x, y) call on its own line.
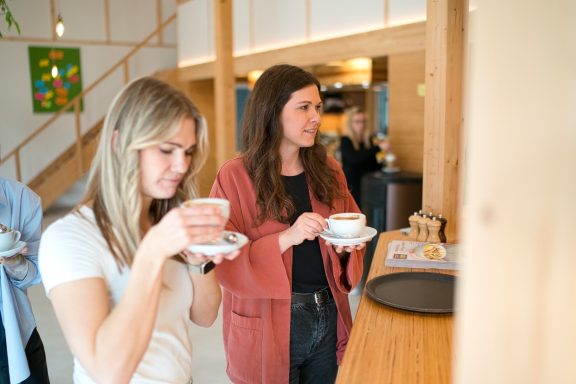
point(261, 137)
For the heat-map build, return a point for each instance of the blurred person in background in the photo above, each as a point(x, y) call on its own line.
point(360, 151)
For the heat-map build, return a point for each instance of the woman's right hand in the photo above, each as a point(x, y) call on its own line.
point(306, 227)
point(181, 227)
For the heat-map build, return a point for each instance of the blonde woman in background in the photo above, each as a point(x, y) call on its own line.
point(357, 151)
point(123, 299)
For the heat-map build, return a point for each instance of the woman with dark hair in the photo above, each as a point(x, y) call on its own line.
point(285, 303)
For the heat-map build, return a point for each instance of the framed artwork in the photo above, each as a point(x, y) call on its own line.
point(55, 75)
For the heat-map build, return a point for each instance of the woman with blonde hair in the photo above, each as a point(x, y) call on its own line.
point(357, 151)
point(116, 269)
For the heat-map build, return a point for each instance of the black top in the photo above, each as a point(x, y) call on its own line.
point(355, 163)
point(308, 273)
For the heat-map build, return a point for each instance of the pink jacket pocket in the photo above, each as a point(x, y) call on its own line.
point(244, 352)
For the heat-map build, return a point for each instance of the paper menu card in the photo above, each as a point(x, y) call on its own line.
point(408, 254)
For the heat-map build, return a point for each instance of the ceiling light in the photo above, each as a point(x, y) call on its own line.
point(360, 63)
point(59, 26)
point(253, 76)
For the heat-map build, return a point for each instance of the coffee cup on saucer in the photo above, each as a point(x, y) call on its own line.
point(8, 239)
point(347, 225)
point(223, 204)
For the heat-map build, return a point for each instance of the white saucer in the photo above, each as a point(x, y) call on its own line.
point(220, 245)
point(366, 235)
point(390, 169)
point(11, 252)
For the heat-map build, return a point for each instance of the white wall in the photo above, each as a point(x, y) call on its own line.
point(85, 29)
point(516, 311)
point(267, 24)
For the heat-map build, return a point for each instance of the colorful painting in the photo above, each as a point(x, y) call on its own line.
point(55, 76)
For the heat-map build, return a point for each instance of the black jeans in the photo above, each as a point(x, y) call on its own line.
point(35, 355)
point(313, 343)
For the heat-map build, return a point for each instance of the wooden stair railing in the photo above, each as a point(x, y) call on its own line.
point(71, 165)
point(63, 172)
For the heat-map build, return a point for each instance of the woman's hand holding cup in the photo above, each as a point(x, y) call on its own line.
point(223, 207)
point(306, 227)
point(183, 226)
point(346, 225)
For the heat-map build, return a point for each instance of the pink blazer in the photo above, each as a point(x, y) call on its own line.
point(257, 284)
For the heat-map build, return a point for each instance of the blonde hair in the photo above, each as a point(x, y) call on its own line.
point(145, 113)
point(349, 132)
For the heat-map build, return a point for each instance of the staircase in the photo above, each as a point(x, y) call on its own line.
point(67, 169)
point(74, 162)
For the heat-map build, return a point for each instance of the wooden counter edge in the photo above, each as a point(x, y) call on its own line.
point(353, 367)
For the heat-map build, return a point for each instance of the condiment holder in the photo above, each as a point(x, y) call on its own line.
point(427, 227)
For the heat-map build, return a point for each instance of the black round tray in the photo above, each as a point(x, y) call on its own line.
point(414, 291)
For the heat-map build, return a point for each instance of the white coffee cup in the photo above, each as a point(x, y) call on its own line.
point(223, 204)
point(8, 239)
point(348, 225)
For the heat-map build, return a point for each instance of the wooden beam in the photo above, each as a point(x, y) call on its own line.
point(159, 17)
point(382, 42)
point(224, 83)
point(53, 19)
point(107, 27)
point(445, 32)
point(202, 71)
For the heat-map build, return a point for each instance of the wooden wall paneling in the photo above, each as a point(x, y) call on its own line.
point(382, 42)
point(406, 109)
point(445, 32)
point(331, 123)
point(379, 69)
point(345, 74)
point(202, 94)
point(224, 83)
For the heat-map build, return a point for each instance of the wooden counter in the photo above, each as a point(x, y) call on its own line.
point(389, 345)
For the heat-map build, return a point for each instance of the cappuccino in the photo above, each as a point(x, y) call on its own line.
point(347, 225)
point(355, 217)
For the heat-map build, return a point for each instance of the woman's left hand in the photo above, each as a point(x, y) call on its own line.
point(347, 248)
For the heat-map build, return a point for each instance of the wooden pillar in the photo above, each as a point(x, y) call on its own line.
point(224, 83)
point(445, 37)
point(515, 318)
